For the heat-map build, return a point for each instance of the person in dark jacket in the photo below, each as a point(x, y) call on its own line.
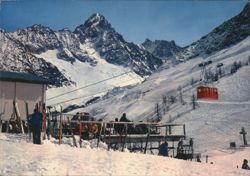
point(124, 118)
point(130, 128)
point(36, 122)
point(163, 149)
point(245, 165)
point(117, 127)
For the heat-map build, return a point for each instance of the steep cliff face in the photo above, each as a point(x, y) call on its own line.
point(161, 48)
point(14, 57)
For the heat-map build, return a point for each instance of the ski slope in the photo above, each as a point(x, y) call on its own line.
point(83, 73)
point(20, 157)
point(214, 124)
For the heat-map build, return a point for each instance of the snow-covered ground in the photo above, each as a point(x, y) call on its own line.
point(140, 101)
point(214, 124)
point(20, 157)
point(83, 74)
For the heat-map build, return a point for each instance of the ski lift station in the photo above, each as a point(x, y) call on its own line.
point(20, 89)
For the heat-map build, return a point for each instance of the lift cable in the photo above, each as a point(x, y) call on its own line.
point(84, 96)
point(92, 84)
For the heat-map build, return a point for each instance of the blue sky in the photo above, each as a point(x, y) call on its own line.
point(182, 21)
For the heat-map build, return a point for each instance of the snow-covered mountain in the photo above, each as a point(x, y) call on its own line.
point(227, 34)
point(111, 46)
point(21, 50)
point(140, 101)
point(15, 57)
point(162, 48)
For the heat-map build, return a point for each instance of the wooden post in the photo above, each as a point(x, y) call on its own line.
point(44, 121)
point(48, 122)
point(18, 117)
point(109, 143)
point(184, 131)
point(81, 128)
point(7, 126)
point(71, 131)
point(28, 119)
point(173, 148)
point(206, 158)
point(104, 131)
point(141, 145)
point(60, 128)
point(1, 124)
point(2, 112)
point(100, 133)
point(170, 130)
point(148, 136)
point(125, 138)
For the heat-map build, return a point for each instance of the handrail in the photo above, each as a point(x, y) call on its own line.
point(132, 123)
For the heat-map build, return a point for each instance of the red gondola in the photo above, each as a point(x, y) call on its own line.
point(205, 92)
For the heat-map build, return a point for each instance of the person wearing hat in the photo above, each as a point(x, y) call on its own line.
point(245, 165)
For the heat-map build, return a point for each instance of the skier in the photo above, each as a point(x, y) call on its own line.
point(36, 122)
point(245, 165)
point(163, 149)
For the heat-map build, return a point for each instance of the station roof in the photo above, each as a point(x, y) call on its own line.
point(22, 77)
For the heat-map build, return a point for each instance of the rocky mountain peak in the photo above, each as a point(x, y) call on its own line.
point(161, 48)
point(37, 38)
point(96, 26)
point(111, 46)
point(96, 19)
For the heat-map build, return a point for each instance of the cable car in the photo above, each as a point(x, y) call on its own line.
point(205, 92)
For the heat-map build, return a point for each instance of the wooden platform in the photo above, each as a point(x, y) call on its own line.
point(140, 138)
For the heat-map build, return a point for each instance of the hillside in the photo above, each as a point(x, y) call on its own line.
point(223, 118)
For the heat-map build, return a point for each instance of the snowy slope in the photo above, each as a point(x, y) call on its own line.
point(212, 121)
point(82, 74)
point(19, 157)
point(167, 81)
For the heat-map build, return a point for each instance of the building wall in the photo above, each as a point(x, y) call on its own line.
point(22, 92)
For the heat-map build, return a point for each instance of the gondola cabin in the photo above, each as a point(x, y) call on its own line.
point(205, 92)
